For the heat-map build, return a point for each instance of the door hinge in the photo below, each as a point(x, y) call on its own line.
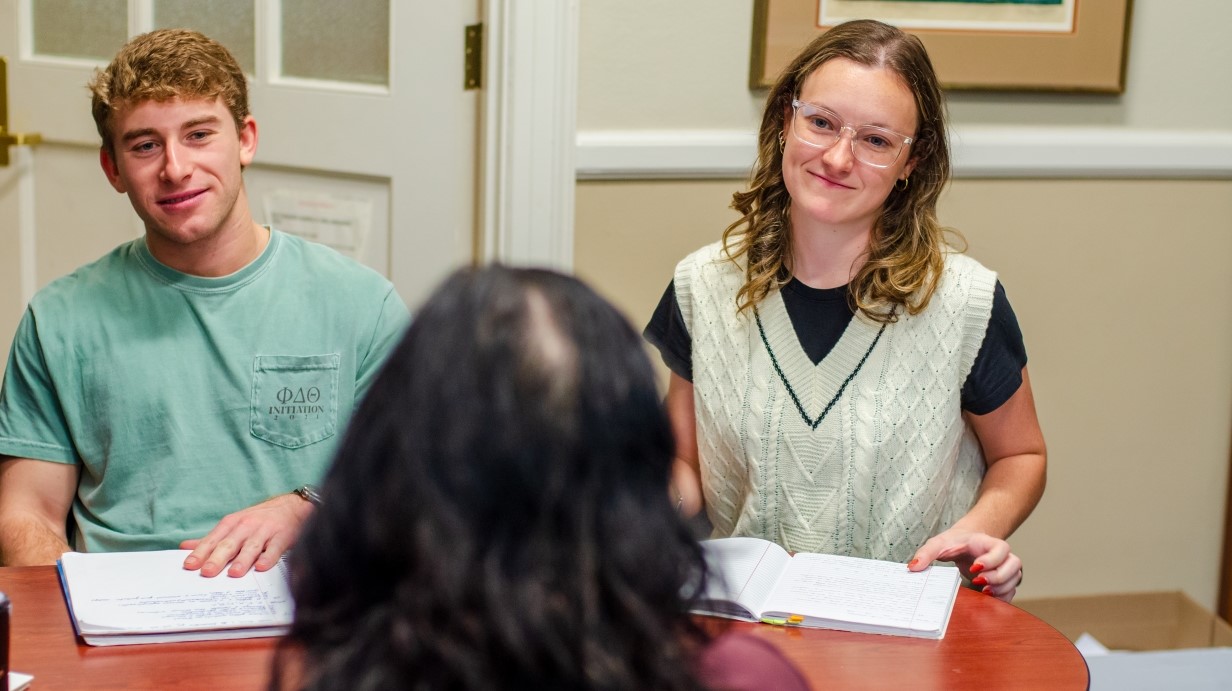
point(473, 68)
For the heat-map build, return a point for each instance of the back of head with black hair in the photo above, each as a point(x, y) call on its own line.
point(497, 515)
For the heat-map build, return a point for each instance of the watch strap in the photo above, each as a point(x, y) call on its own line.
point(309, 494)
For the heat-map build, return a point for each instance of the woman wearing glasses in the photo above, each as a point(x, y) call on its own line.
point(843, 380)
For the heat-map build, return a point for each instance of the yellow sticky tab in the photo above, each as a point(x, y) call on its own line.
point(773, 620)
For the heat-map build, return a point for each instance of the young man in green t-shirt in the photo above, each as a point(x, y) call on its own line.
point(186, 389)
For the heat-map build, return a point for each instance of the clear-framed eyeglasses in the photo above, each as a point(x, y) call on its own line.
point(871, 145)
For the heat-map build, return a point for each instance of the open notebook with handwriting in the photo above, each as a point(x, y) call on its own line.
point(122, 598)
point(756, 580)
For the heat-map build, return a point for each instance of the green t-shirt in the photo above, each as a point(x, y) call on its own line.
point(184, 398)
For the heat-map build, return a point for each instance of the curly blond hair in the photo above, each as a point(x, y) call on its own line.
point(905, 252)
point(162, 65)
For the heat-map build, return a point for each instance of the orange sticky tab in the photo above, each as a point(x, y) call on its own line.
point(795, 619)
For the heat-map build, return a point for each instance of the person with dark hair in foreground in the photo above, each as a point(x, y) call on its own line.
point(501, 519)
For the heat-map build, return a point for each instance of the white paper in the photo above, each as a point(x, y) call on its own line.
point(864, 592)
point(743, 570)
point(18, 681)
point(342, 223)
point(151, 592)
point(1090, 646)
point(1188, 669)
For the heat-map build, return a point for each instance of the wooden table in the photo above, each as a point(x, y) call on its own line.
point(43, 644)
point(989, 645)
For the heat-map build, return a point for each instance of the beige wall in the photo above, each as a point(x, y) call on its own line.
point(1123, 287)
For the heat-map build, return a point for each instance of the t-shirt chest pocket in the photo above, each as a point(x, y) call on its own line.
point(294, 398)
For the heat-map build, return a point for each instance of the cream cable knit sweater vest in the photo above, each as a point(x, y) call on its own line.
point(892, 464)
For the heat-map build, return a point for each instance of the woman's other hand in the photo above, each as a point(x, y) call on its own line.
point(985, 560)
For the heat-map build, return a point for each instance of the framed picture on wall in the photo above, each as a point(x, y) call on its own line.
point(1014, 45)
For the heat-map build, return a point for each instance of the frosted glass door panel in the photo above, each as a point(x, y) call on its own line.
point(336, 41)
point(230, 22)
point(91, 29)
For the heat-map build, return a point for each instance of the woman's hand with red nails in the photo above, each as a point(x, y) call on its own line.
point(980, 556)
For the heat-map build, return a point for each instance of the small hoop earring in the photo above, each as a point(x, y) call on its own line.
point(906, 183)
point(782, 142)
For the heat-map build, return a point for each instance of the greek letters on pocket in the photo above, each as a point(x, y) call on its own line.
point(295, 398)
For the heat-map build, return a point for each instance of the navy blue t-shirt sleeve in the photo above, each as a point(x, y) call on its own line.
point(997, 372)
point(667, 332)
point(994, 378)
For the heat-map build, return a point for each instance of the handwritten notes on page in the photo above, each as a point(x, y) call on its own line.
point(756, 580)
point(148, 597)
point(866, 595)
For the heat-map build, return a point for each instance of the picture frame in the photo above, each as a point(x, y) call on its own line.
point(1087, 55)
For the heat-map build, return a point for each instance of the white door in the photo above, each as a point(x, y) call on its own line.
point(368, 140)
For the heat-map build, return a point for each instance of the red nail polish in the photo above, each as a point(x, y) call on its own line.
point(977, 567)
point(979, 580)
point(912, 563)
point(987, 590)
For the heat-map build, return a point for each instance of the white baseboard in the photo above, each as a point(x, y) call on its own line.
point(979, 152)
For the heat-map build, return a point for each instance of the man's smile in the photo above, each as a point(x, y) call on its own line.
point(180, 197)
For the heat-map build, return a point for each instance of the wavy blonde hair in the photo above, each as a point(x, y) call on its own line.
point(905, 251)
point(162, 65)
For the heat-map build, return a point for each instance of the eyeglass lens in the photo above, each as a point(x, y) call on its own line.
point(821, 128)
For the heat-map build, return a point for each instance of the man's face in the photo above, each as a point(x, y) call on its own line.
point(180, 163)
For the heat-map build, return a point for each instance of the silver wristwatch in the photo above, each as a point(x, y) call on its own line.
point(309, 494)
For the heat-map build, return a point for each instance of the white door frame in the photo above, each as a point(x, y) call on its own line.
point(529, 121)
